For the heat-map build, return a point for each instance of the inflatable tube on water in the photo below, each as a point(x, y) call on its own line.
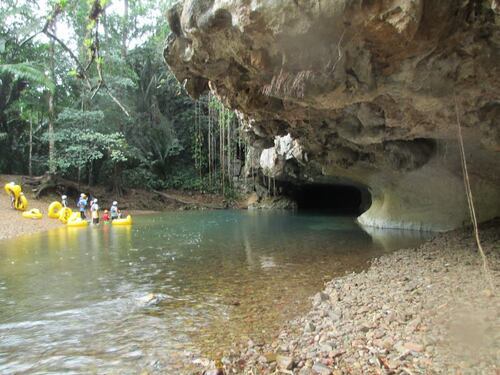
point(34, 213)
point(54, 210)
point(126, 221)
point(21, 204)
point(76, 221)
point(64, 214)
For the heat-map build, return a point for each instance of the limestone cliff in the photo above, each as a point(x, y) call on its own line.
point(358, 91)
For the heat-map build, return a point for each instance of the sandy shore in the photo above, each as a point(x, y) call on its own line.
point(12, 224)
point(428, 310)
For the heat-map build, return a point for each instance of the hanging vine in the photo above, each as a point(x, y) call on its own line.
point(215, 143)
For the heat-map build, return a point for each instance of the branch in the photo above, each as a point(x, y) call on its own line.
point(96, 11)
point(48, 23)
point(117, 101)
point(29, 38)
point(73, 56)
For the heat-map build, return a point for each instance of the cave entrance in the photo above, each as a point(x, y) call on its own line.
point(335, 198)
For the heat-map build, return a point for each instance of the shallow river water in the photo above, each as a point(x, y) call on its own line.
point(73, 300)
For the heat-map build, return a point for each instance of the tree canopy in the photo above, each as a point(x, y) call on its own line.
point(85, 93)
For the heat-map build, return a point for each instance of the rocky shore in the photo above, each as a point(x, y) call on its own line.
point(416, 311)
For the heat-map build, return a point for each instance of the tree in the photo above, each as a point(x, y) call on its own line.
point(94, 81)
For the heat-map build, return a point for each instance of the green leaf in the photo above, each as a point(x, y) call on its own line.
point(28, 72)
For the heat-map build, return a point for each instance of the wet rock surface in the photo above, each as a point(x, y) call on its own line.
point(363, 91)
point(416, 311)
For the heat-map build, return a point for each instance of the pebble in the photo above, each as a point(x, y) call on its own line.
point(411, 346)
point(284, 363)
point(394, 317)
point(309, 327)
point(321, 369)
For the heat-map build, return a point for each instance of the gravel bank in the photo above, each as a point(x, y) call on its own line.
point(417, 311)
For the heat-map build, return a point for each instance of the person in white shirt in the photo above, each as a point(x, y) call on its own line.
point(114, 211)
point(64, 200)
point(94, 209)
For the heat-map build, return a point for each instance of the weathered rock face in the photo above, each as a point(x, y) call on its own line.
point(358, 91)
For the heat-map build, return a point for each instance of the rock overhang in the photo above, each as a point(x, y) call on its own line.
point(367, 90)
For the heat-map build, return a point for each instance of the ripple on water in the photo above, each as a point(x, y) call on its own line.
point(79, 301)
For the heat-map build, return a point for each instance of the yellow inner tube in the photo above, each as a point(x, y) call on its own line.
point(34, 213)
point(126, 221)
point(76, 221)
point(12, 189)
point(54, 210)
point(20, 201)
point(64, 214)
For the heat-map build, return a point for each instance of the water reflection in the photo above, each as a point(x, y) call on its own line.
point(71, 300)
point(390, 239)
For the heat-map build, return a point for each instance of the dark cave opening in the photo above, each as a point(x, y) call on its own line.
point(335, 198)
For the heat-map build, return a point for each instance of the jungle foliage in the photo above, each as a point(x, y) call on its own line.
point(85, 94)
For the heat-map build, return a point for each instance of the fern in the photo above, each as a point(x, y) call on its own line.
point(28, 72)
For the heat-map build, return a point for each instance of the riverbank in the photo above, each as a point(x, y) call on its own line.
point(415, 311)
point(12, 224)
point(134, 202)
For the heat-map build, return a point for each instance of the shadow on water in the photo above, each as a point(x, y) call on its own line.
point(72, 299)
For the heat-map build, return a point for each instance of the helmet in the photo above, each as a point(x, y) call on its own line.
point(95, 200)
point(82, 195)
point(64, 197)
point(115, 203)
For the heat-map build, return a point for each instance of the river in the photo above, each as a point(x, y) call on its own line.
point(74, 300)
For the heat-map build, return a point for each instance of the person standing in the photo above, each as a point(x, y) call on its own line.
point(114, 211)
point(12, 197)
point(94, 209)
point(64, 200)
point(105, 216)
point(82, 205)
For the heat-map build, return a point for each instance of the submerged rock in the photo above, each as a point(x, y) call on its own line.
point(151, 299)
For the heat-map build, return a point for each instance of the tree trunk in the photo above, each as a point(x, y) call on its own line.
point(125, 29)
point(105, 26)
point(79, 176)
point(91, 173)
point(117, 186)
point(52, 166)
point(30, 156)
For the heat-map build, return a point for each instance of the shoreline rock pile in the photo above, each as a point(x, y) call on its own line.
point(416, 311)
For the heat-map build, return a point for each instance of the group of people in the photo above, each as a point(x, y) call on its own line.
point(92, 205)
